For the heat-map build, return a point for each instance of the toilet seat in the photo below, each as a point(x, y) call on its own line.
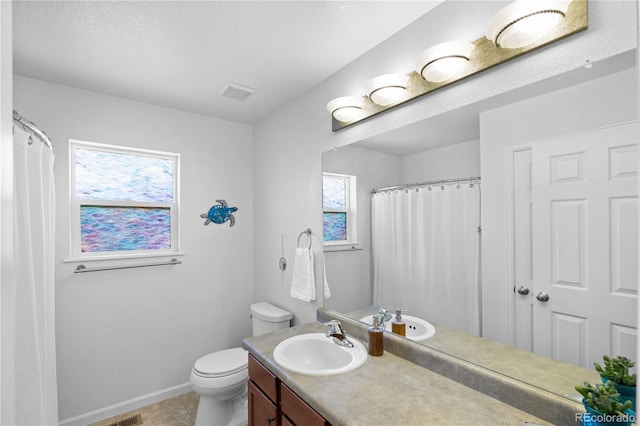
point(222, 363)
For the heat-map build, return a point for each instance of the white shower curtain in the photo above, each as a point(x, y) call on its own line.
point(426, 246)
point(35, 352)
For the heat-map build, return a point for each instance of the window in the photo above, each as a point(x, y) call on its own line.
point(124, 201)
point(339, 209)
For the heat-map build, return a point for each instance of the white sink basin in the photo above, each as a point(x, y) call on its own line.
point(317, 355)
point(417, 328)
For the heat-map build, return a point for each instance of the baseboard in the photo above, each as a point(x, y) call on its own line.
point(125, 406)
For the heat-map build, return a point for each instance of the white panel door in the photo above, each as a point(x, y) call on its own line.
point(522, 248)
point(585, 245)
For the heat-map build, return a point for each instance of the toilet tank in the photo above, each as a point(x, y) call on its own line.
point(266, 318)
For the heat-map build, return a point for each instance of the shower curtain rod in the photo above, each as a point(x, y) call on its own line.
point(431, 182)
point(17, 118)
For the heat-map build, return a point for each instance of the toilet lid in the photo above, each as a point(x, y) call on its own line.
point(222, 363)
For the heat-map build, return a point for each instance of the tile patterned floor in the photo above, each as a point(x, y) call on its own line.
point(178, 411)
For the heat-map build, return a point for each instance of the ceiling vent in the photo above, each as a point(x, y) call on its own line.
point(236, 91)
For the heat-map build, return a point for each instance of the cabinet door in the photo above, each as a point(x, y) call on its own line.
point(262, 412)
point(297, 411)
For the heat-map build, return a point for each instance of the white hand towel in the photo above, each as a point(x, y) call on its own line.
point(303, 284)
point(327, 292)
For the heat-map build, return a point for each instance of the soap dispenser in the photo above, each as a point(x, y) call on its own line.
point(376, 338)
point(397, 325)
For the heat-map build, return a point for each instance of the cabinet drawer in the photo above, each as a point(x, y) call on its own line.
point(297, 411)
point(263, 378)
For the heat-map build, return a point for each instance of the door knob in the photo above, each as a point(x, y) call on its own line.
point(523, 290)
point(542, 297)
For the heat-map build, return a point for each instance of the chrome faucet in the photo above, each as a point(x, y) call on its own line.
point(336, 332)
point(383, 316)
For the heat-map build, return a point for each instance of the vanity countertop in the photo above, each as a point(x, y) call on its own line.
point(386, 390)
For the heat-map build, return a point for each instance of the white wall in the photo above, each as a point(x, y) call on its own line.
point(136, 333)
point(602, 102)
point(287, 193)
point(289, 142)
point(448, 162)
point(349, 272)
point(7, 302)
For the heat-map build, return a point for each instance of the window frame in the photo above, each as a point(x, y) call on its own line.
point(351, 211)
point(75, 204)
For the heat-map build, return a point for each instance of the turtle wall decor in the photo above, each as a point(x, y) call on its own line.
point(220, 213)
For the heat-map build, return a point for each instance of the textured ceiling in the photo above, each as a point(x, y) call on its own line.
point(180, 54)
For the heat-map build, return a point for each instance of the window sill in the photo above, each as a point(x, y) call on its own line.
point(86, 259)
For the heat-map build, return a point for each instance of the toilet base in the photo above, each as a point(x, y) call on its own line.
point(213, 412)
point(240, 413)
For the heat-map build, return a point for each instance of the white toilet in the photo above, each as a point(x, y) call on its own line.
point(221, 377)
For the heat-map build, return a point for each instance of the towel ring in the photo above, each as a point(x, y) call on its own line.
point(306, 232)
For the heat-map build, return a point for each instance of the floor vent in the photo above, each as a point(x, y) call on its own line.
point(236, 91)
point(130, 421)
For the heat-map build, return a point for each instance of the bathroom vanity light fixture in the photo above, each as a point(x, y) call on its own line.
point(346, 108)
point(520, 28)
point(443, 61)
point(387, 89)
point(525, 21)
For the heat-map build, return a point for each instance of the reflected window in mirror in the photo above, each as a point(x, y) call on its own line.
point(339, 210)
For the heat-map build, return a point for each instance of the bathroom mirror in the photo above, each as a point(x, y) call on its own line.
point(449, 147)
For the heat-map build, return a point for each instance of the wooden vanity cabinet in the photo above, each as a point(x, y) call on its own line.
point(294, 411)
point(262, 397)
point(261, 410)
point(272, 403)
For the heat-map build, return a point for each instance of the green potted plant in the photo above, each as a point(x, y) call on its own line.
point(603, 406)
point(616, 370)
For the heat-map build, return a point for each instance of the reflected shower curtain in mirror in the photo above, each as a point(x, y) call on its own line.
point(35, 358)
point(426, 248)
